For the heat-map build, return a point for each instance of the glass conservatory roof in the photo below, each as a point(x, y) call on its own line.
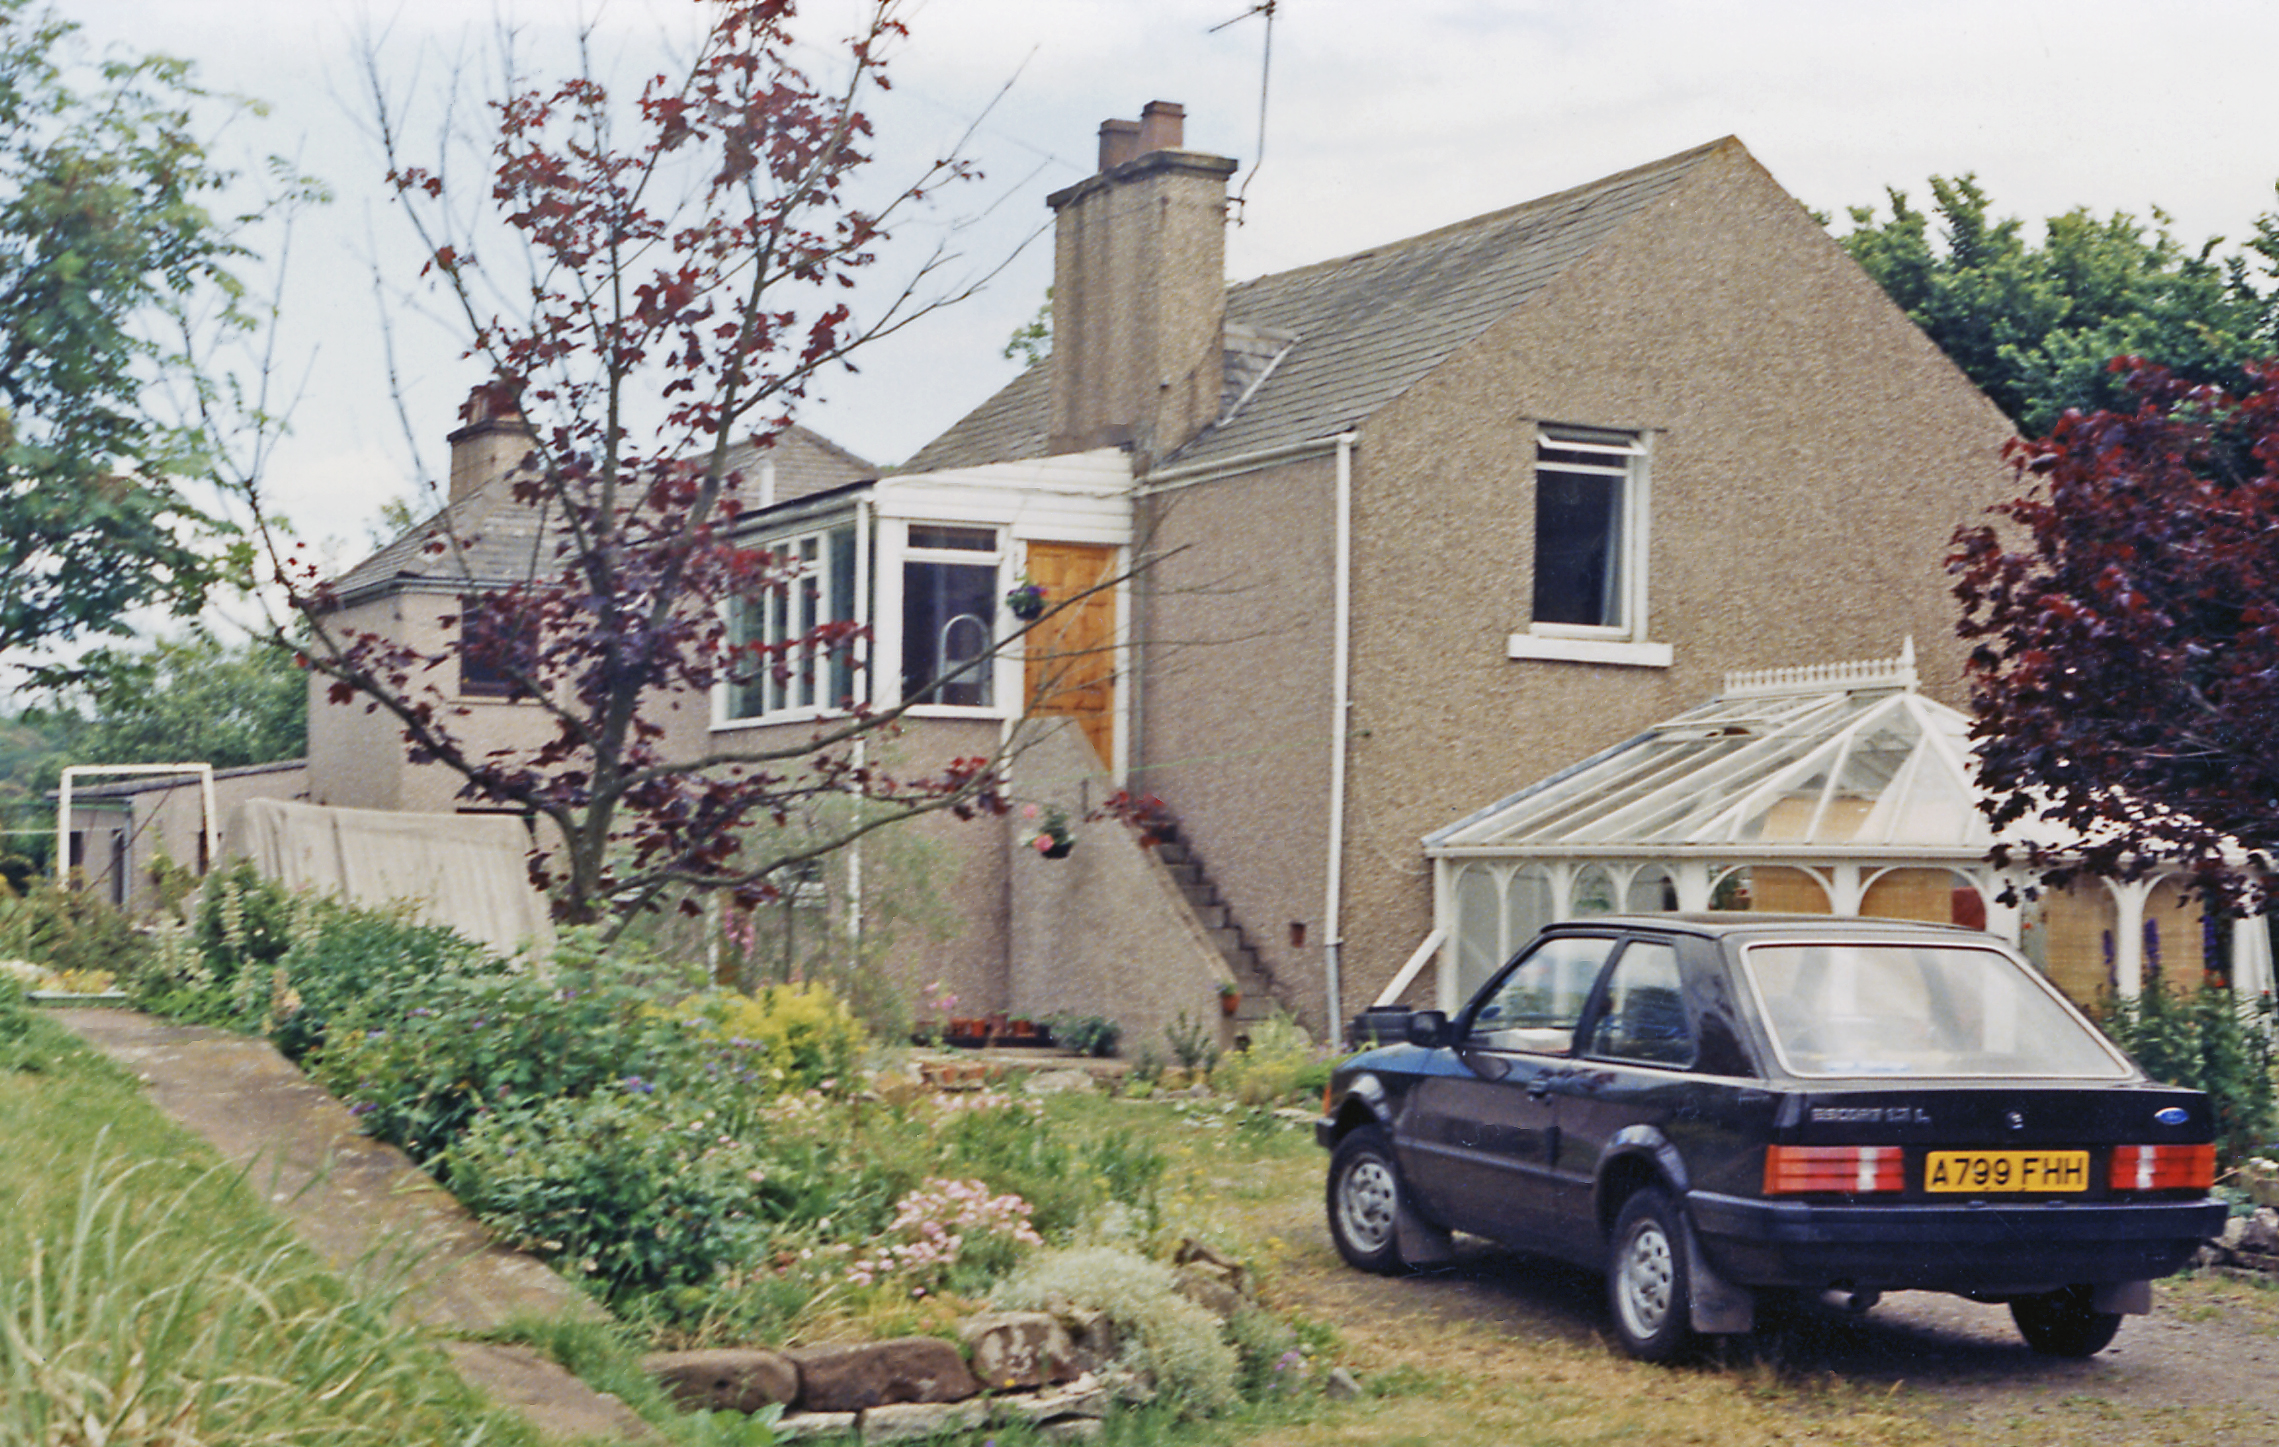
point(1838, 757)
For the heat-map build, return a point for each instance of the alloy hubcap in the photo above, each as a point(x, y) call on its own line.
point(1647, 1281)
point(1365, 1204)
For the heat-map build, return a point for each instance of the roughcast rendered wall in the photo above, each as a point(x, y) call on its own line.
point(1103, 931)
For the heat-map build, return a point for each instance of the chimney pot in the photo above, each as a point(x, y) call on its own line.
point(1162, 127)
point(1119, 143)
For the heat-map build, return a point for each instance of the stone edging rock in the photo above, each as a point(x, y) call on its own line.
point(1053, 1370)
point(2248, 1244)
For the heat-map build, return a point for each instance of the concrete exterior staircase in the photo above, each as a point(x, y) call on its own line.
point(1260, 992)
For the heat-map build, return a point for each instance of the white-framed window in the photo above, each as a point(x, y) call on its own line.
point(781, 666)
point(1589, 598)
point(950, 594)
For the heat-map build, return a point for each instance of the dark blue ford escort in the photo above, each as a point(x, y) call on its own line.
point(1722, 1109)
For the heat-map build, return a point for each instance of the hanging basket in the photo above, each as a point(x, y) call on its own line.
point(1026, 602)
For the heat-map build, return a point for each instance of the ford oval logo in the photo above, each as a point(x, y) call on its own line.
point(2172, 1115)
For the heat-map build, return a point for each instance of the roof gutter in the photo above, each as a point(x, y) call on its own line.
point(1171, 479)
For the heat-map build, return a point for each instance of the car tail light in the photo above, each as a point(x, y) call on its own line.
point(1794, 1170)
point(2163, 1168)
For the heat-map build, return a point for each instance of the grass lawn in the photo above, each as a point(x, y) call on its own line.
point(148, 1296)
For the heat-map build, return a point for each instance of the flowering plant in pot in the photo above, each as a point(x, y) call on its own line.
point(1051, 837)
point(1026, 600)
point(1230, 997)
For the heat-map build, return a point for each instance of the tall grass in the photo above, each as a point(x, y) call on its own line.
point(147, 1297)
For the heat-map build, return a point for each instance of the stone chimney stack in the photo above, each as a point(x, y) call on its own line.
point(493, 442)
point(1139, 291)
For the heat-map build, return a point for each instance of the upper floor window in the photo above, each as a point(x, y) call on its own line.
point(490, 650)
point(949, 615)
point(1588, 512)
point(1589, 604)
point(781, 664)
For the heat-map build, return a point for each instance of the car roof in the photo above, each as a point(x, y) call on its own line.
point(1725, 923)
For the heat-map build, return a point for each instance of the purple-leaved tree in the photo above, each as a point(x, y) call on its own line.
point(2125, 628)
point(668, 275)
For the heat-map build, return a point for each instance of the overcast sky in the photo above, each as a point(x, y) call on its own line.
point(1381, 120)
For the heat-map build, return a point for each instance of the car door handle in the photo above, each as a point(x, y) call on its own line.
point(1539, 1087)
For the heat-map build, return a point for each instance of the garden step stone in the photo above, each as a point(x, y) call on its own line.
point(917, 1421)
point(728, 1380)
point(804, 1426)
point(1083, 1397)
point(1012, 1349)
point(857, 1377)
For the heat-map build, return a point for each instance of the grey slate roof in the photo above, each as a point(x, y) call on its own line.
point(1367, 326)
point(502, 539)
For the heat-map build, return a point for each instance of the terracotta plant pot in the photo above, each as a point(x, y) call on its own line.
point(1229, 1001)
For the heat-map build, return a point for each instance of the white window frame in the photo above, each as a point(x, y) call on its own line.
point(1627, 455)
point(822, 568)
point(894, 554)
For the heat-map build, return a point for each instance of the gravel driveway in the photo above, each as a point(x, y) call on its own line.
point(2203, 1367)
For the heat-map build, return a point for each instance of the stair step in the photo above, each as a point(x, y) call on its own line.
point(1171, 851)
point(1233, 947)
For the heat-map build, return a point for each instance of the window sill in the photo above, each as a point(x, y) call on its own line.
point(1622, 654)
point(774, 720)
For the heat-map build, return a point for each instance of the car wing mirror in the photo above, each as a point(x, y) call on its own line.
point(1428, 1028)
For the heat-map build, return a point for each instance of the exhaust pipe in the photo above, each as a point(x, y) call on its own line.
point(1848, 1301)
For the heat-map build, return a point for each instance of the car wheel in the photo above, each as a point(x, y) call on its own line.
point(2063, 1323)
point(1646, 1279)
point(1365, 1197)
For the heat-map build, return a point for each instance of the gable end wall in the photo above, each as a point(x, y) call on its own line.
point(1813, 452)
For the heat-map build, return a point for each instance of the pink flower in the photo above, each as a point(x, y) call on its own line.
point(1043, 843)
point(1028, 811)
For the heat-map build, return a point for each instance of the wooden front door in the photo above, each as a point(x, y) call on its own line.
point(1071, 653)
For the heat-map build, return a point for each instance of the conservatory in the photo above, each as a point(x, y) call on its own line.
point(1834, 789)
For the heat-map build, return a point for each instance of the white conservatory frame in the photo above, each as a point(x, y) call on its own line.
point(1843, 772)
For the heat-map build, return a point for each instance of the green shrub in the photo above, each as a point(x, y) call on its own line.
point(785, 1037)
point(1194, 1043)
point(1170, 1339)
point(359, 960)
point(1085, 1034)
point(418, 1064)
point(70, 931)
point(244, 923)
point(616, 1185)
point(2206, 1040)
point(1281, 1065)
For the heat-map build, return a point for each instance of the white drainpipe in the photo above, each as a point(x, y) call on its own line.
point(1340, 727)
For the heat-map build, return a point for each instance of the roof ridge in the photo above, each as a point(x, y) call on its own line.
point(1486, 219)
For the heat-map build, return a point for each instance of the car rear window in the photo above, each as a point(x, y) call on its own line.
point(1843, 1008)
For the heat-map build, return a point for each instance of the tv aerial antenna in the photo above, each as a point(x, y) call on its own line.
point(1264, 8)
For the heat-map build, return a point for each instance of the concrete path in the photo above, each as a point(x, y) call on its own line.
point(361, 1204)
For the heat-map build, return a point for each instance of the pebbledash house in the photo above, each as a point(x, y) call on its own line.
point(1375, 542)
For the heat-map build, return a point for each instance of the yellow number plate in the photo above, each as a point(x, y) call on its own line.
point(2000, 1171)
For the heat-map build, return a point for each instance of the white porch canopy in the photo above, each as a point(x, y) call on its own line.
point(1833, 789)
